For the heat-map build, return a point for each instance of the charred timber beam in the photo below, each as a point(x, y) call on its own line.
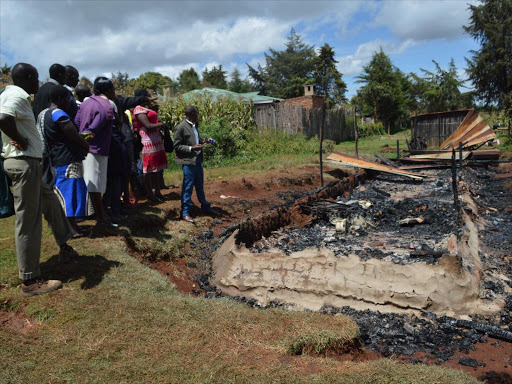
point(384, 160)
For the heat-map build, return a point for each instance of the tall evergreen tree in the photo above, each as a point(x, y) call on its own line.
point(237, 84)
point(188, 80)
point(439, 90)
point(490, 68)
point(327, 78)
point(286, 72)
point(383, 89)
point(215, 78)
point(120, 79)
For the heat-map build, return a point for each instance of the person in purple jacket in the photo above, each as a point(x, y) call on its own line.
point(96, 116)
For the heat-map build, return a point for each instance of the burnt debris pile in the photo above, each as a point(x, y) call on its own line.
point(392, 334)
point(389, 218)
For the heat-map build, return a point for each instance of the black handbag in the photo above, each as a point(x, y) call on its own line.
point(168, 143)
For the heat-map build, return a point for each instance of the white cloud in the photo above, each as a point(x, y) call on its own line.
point(424, 20)
point(173, 71)
point(353, 64)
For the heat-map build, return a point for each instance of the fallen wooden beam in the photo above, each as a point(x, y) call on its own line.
point(440, 156)
point(359, 163)
point(424, 166)
point(384, 160)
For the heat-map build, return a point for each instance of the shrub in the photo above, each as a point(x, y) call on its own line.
point(371, 129)
point(231, 124)
point(237, 113)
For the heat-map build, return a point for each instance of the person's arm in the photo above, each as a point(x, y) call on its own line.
point(143, 118)
point(69, 131)
point(8, 126)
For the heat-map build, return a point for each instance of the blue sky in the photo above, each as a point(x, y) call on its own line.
point(101, 37)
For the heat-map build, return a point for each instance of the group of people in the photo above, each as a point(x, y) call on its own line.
point(73, 153)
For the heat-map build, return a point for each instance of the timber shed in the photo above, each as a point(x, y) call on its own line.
point(432, 129)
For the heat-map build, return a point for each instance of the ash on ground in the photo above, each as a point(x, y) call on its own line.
point(392, 334)
point(388, 218)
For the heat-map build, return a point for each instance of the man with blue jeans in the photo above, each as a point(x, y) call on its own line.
point(188, 148)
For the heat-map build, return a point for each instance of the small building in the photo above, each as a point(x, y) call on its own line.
point(432, 129)
point(215, 93)
point(310, 100)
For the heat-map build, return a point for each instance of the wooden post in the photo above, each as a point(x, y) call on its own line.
point(460, 155)
point(356, 133)
point(321, 135)
point(454, 182)
point(397, 149)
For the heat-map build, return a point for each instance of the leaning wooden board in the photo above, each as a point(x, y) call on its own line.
point(359, 163)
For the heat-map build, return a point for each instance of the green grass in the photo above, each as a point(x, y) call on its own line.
point(367, 146)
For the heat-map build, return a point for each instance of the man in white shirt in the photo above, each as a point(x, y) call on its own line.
point(22, 150)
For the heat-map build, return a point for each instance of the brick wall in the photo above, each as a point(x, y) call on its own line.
point(307, 102)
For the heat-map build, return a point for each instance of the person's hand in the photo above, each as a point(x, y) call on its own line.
point(197, 146)
point(151, 100)
point(20, 145)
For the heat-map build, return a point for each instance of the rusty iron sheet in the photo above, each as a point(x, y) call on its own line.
point(472, 131)
point(359, 163)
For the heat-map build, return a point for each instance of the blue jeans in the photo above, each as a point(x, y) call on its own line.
point(193, 177)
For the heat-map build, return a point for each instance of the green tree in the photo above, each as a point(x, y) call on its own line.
point(439, 90)
point(490, 68)
point(5, 69)
point(120, 79)
point(188, 80)
point(215, 78)
point(327, 78)
point(154, 81)
point(237, 84)
point(286, 72)
point(85, 81)
point(383, 90)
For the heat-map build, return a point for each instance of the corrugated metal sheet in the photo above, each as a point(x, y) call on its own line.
point(472, 131)
point(215, 93)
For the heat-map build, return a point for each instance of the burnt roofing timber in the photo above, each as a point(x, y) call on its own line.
point(359, 163)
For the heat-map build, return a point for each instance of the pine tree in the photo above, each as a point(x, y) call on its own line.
point(215, 78)
point(286, 72)
point(490, 68)
point(441, 89)
point(327, 78)
point(383, 90)
point(237, 84)
point(188, 80)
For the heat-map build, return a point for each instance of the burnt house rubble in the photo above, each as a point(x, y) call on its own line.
point(418, 262)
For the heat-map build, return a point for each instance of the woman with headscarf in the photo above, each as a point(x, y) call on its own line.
point(154, 158)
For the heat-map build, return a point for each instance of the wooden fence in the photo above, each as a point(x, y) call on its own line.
point(434, 128)
point(296, 119)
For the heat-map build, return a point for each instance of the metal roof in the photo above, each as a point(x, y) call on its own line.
point(215, 93)
point(442, 113)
